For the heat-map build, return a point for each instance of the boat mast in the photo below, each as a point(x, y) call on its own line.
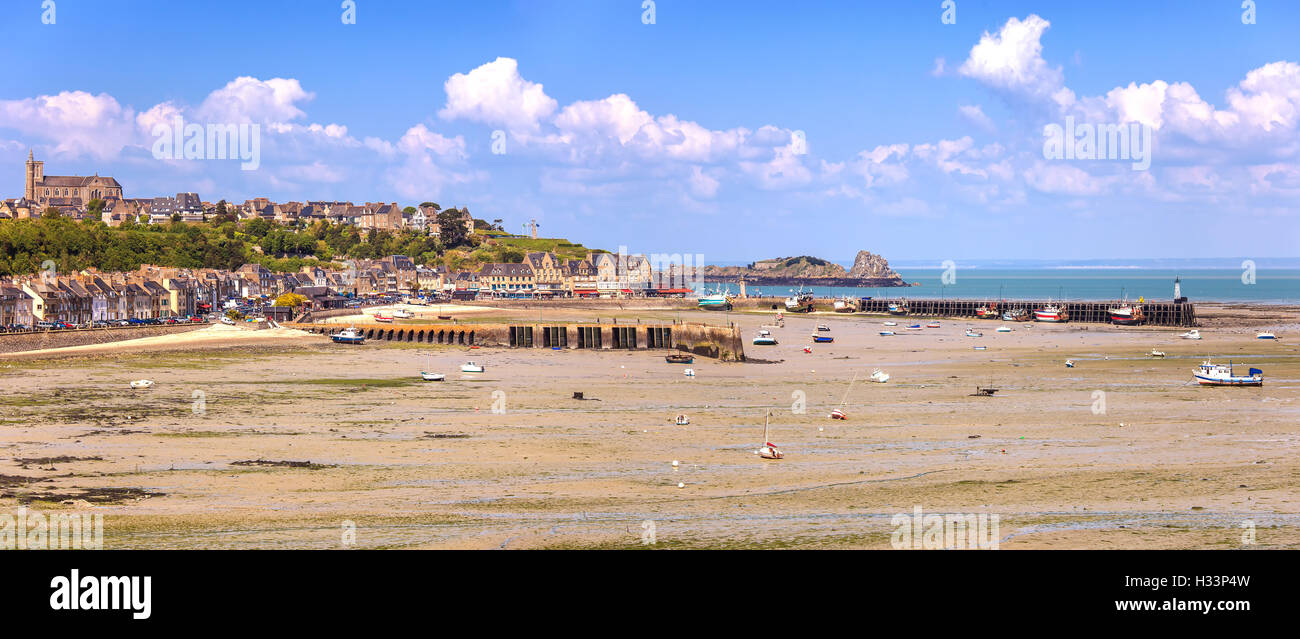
point(767, 418)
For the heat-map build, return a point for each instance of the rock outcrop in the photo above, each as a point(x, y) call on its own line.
point(868, 270)
point(868, 265)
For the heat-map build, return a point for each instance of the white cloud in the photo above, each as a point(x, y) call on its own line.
point(1011, 60)
point(975, 115)
point(77, 122)
point(495, 94)
point(248, 99)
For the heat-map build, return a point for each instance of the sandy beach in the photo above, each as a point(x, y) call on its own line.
point(281, 439)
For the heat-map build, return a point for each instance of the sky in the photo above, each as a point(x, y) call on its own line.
point(732, 130)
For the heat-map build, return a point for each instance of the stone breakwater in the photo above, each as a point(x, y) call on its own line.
point(18, 342)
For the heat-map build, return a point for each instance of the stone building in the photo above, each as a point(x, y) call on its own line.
point(66, 190)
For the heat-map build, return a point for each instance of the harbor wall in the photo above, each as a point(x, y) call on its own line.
point(36, 340)
point(1157, 313)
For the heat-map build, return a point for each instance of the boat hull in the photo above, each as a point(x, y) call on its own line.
point(1230, 381)
point(820, 339)
point(348, 340)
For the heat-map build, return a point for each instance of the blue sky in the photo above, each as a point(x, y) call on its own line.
point(923, 140)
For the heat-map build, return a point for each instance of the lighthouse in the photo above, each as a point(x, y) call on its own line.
point(1178, 290)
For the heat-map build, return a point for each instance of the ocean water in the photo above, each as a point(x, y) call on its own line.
point(1089, 283)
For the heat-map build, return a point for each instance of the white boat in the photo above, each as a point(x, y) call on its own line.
point(764, 340)
point(1210, 374)
point(714, 301)
point(838, 414)
point(879, 376)
point(932, 325)
point(844, 305)
point(1004, 329)
point(141, 384)
point(1266, 336)
point(769, 450)
point(682, 420)
point(764, 333)
point(981, 348)
point(970, 332)
point(891, 323)
point(349, 335)
point(1156, 353)
point(886, 333)
point(402, 314)
point(432, 377)
point(380, 317)
point(690, 372)
point(1192, 334)
point(799, 301)
point(471, 367)
point(1051, 313)
point(227, 321)
point(1069, 363)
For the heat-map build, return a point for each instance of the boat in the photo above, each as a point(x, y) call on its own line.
point(807, 349)
point(823, 339)
point(1017, 315)
point(898, 309)
point(970, 332)
point(432, 377)
point(844, 305)
point(1210, 374)
point(1004, 329)
point(682, 420)
point(141, 384)
point(1069, 363)
point(1127, 314)
point(988, 311)
point(764, 340)
point(715, 301)
point(1266, 336)
point(886, 333)
point(379, 317)
point(878, 376)
point(769, 450)
point(349, 335)
point(799, 301)
point(402, 314)
point(914, 327)
point(689, 372)
point(471, 367)
point(932, 325)
point(764, 333)
point(1051, 313)
point(227, 321)
point(838, 414)
point(891, 323)
point(1156, 353)
point(1192, 334)
point(823, 327)
point(679, 359)
point(981, 348)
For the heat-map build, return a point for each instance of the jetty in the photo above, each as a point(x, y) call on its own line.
point(1157, 313)
point(719, 342)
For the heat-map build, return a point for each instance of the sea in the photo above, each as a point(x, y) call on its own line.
point(1274, 281)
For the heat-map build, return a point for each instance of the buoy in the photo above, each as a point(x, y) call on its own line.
point(681, 485)
point(674, 463)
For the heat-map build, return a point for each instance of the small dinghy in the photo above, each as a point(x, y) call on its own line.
point(682, 420)
point(886, 333)
point(1192, 334)
point(823, 327)
point(973, 333)
point(914, 327)
point(379, 317)
point(826, 339)
point(402, 314)
point(432, 377)
point(690, 372)
point(1069, 363)
point(807, 349)
point(764, 340)
point(1157, 354)
point(878, 376)
point(141, 384)
point(1004, 329)
point(471, 367)
point(769, 450)
point(891, 323)
point(1266, 336)
point(932, 325)
point(838, 414)
point(679, 359)
point(981, 348)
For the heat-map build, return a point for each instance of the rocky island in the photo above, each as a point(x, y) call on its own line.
point(869, 270)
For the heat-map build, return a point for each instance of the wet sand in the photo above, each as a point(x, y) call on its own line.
point(430, 465)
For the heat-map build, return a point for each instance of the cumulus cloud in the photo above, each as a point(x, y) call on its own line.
point(1011, 60)
point(495, 94)
point(250, 100)
point(77, 122)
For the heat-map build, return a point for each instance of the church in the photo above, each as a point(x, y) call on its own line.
point(65, 190)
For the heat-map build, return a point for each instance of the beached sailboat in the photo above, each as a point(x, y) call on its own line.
point(1266, 336)
point(769, 450)
point(402, 314)
point(142, 384)
point(878, 376)
point(432, 377)
point(349, 335)
point(1192, 334)
point(679, 358)
point(1210, 374)
point(914, 327)
point(886, 333)
point(822, 339)
point(471, 367)
point(1004, 329)
point(838, 414)
point(891, 323)
point(764, 340)
point(1157, 354)
point(1069, 363)
point(970, 332)
point(823, 327)
point(380, 317)
point(932, 325)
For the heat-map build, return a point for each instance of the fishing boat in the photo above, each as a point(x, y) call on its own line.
point(1157, 354)
point(1004, 329)
point(679, 358)
point(1266, 336)
point(878, 376)
point(1192, 334)
point(838, 414)
point(1210, 374)
point(764, 340)
point(769, 450)
point(823, 339)
point(471, 367)
point(987, 311)
point(1051, 313)
point(886, 333)
point(715, 301)
point(402, 314)
point(380, 317)
point(844, 305)
point(898, 309)
point(932, 325)
point(142, 384)
point(1069, 363)
point(891, 323)
point(432, 377)
point(349, 335)
point(1127, 314)
point(823, 327)
point(970, 332)
point(1017, 315)
point(799, 301)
